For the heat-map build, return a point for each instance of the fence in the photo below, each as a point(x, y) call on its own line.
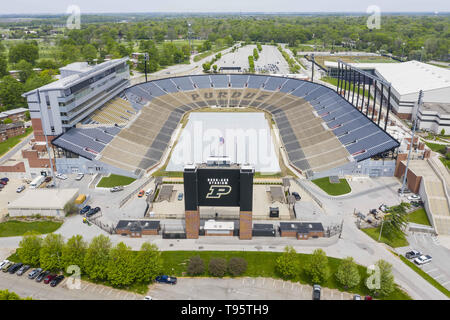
point(105, 227)
point(131, 194)
point(300, 184)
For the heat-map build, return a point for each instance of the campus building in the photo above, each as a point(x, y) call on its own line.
point(60, 105)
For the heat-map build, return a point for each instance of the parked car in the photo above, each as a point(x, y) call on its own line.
point(33, 274)
point(115, 189)
point(79, 176)
point(368, 298)
point(296, 195)
point(23, 269)
point(49, 278)
point(51, 185)
point(180, 196)
point(7, 265)
point(383, 208)
point(417, 203)
point(166, 279)
point(149, 192)
point(42, 275)
point(423, 259)
point(412, 254)
point(3, 263)
point(148, 298)
point(61, 176)
point(316, 292)
point(85, 209)
point(56, 280)
point(3, 182)
point(414, 197)
point(15, 267)
point(356, 297)
point(4, 179)
point(141, 193)
point(20, 189)
point(48, 179)
point(2, 186)
point(404, 191)
point(93, 211)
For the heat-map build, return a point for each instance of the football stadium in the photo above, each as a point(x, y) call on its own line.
point(134, 132)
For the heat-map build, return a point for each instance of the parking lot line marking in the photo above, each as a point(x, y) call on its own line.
point(342, 296)
point(110, 291)
point(444, 283)
point(441, 275)
point(432, 270)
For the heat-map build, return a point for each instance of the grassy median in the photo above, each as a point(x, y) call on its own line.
point(12, 142)
point(392, 239)
point(15, 228)
point(114, 180)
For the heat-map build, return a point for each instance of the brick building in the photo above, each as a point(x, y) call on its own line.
point(301, 230)
point(11, 130)
point(14, 114)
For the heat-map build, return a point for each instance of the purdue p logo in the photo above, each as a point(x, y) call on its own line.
point(216, 191)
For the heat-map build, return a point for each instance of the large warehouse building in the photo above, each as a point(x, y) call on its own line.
point(407, 79)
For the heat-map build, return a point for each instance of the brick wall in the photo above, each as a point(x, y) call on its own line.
point(245, 225)
point(412, 180)
point(19, 167)
point(192, 224)
point(37, 129)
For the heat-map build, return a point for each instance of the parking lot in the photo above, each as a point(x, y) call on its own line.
point(25, 287)
point(239, 289)
point(439, 267)
point(8, 193)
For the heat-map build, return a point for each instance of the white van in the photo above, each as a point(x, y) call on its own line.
point(149, 192)
point(37, 182)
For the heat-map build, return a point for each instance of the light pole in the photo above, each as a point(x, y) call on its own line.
point(312, 66)
point(146, 58)
point(421, 54)
point(403, 50)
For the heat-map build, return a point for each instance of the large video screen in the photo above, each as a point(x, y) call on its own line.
point(218, 187)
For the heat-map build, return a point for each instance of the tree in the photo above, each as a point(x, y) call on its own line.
point(97, 256)
point(25, 70)
point(29, 249)
point(215, 67)
point(70, 208)
point(74, 252)
point(237, 266)
point(386, 284)
point(120, 266)
point(287, 264)
point(442, 132)
point(9, 295)
point(7, 120)
point(89, 52)
point(196, 266)
point(395, 221)
point(206, 66)
point(51, 252)
point(10, 93)
point(217, 267)
point(347, 273)
point(3, 66)
point(37, 80)
point(147, 263)
point(27, 116)
point(28, 51)
point(317, 267)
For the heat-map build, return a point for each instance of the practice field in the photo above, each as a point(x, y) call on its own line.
point(354, 59)
point(245, 137)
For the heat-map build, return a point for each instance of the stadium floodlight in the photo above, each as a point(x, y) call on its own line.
point(146, 59)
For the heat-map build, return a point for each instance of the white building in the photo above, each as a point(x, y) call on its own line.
point(407, 79)
point(60, 105)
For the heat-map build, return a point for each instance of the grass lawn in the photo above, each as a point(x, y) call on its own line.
point(349, 86)
point(333, 189)
point(205, 54)
point(263, 264)
point(436, 147)
point(425, 275)
point(17, 228)
point(391, 239)
point(114, 180)
point(419, 216)
point(445, 162)
point(12, 142)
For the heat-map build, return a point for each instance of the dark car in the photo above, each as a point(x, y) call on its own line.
point(316, 292)
point(166, 279)
point(93, 211)
point(33, 274)
point(412, 254)
point(15, 267)
point(85, 209)
point(368, 298)
point(48, 179)
point(4, 179)
point(49, 278)
point(23, 269)
point(296, 195)
point(57, 280)
point(42, 275)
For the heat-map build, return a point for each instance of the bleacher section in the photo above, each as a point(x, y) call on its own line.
point(319, 129)
point(117, 111)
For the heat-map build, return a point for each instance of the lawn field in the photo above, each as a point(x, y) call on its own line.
point(114, 180)
point(15, 228)
point(391, 239)
point(333, 189)
point(263, 264)
point(419, 216)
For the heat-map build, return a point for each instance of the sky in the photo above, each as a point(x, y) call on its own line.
point(190, 6)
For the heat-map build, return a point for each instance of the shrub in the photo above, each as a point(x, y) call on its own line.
point(217, 267)
point(237, 266)
point(287, 265)
point(196, 266)
point(317, 267)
